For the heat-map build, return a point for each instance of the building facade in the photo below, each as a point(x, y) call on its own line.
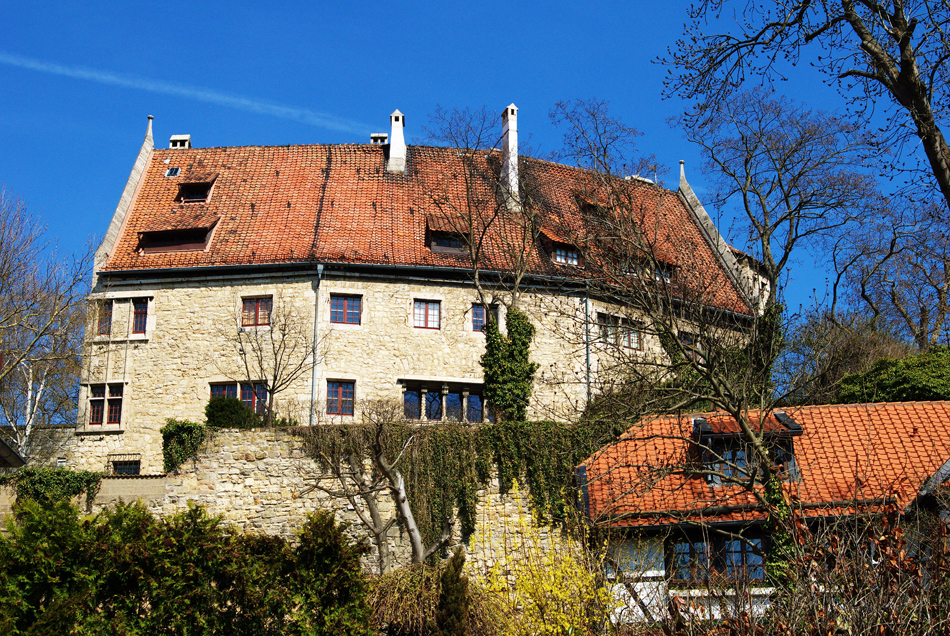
point(315, 280)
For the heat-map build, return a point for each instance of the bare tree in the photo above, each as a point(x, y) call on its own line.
point(789, 170)
point(42, 311)
point(364, 465)
point(897, 265)
point(888, 57)
point(826, 347)
point(272, 354)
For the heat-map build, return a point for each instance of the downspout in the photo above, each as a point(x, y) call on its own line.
point(316, 333)
point(587, 335)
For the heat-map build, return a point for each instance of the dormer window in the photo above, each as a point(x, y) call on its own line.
point(730, 458)
point(660, 272)
point(566, 255)
point(174, 241)
point(448, 243)
point(195, 192)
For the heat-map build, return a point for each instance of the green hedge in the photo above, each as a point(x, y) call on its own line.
point(228, 412)
point(127, 572)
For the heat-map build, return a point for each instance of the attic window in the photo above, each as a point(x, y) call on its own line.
point(661, 273)
point(173, 172)
point(563, 254)
point(194, 192)
point(448, 243)
point(188, 240)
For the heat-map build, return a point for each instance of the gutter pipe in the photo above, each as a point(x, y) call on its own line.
point(316, 333)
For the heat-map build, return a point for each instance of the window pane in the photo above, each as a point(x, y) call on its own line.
point(249, 313)
point(115, 410)
point(419, 314)
point(474, 411)
point(478, 317)
point(346, 393)
point(105, 318)
point(340, 398)
point(412, 405)
point(96, 408)
point(754, 562)
point(127, 467)
point(453, 407)
point(433, 405)
point(353, 311)
point(247, 395)
point(433, 316)
point(98, 390)
point(337, 309)
point(264, 306)
point(260, 399)
point(140, 318)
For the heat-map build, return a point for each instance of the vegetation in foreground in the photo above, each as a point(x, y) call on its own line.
point(125, 571)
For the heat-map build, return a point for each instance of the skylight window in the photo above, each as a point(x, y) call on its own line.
point(173, 172)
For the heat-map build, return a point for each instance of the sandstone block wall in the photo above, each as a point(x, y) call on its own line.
point(191, 342)
point(262, 481)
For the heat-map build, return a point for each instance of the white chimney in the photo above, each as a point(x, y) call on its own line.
point(180, 141)
point(509, 154)
point(397, 144)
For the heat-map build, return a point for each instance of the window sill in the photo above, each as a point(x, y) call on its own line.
point(345, 325)
point(135, 337)
point(103, 429)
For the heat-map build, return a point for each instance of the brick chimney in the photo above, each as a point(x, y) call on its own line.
point(509, 154)
point(397, 144)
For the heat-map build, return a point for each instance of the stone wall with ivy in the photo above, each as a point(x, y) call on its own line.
point(263, 480)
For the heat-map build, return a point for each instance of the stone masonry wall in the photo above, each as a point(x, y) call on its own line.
point(190, 343)
point(262, 481)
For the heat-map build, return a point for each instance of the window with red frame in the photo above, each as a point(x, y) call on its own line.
point(104, 326)
point(340, 398)
point(139, 315)
point(480, 315)
point(224, 390)
point(256, 311)
point(345, 309)
point(105, 402)
point(426, 314)
point(254, 397)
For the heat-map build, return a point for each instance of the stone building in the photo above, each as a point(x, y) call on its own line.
point(318, 279)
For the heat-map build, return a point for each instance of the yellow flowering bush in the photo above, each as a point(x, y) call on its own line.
point(546, 581)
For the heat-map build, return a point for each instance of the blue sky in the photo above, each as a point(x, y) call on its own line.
point(80, 78)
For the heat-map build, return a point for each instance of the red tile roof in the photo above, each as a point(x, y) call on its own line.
point(849, 456)
point(337, 203)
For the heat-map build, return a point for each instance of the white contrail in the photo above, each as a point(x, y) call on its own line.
point(201, 94)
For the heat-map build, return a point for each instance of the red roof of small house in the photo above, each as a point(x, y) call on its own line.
point(338, 204)
point(854, 457)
